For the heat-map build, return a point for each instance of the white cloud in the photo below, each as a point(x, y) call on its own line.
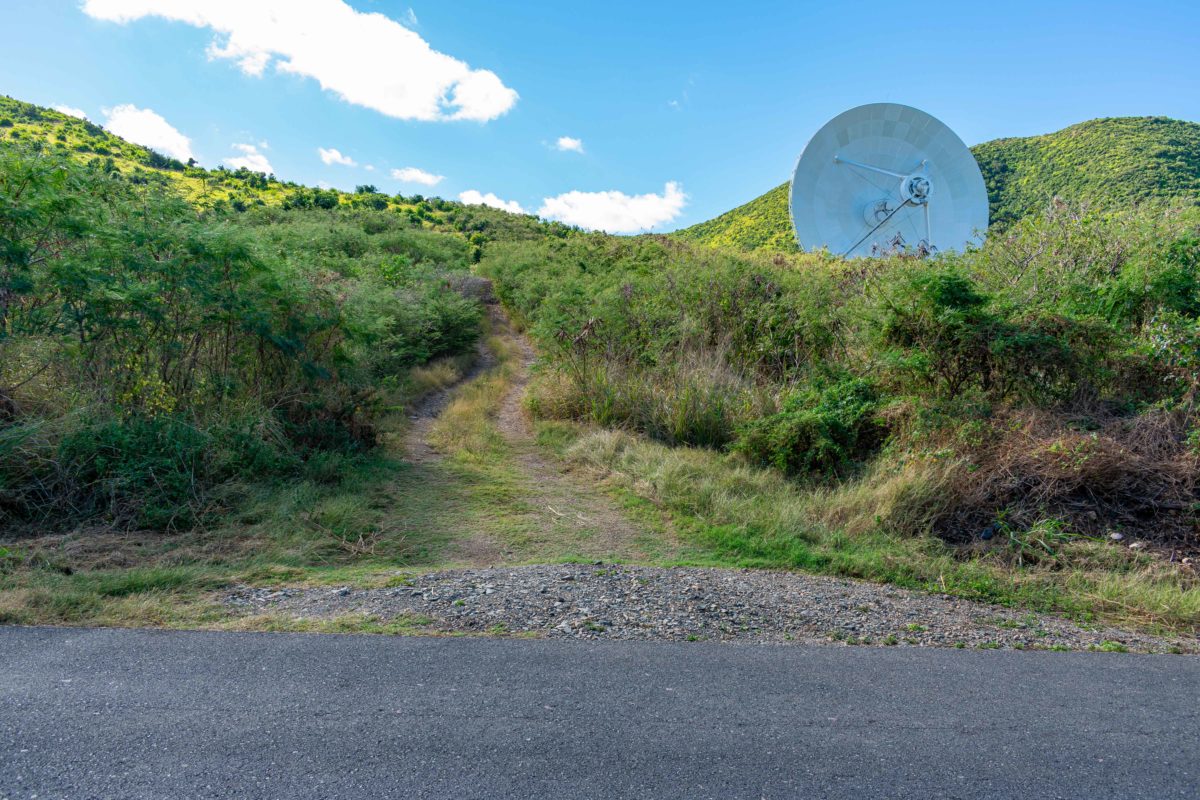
point(251, 159)
point(473, 198)
point(145, 127)
point(71, 111)
point(410, 19)
point(414, 175)
point(333, 156)
point(365, 58)
point(615, 212)
point(569, 143)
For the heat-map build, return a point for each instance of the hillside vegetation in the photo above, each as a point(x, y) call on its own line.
point(166, 330)
point(205, 376)
point(149, 354)
point(1027, 404)
point(1105, 164)
point(221, 190)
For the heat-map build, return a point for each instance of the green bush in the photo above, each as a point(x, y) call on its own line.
point(816, 432)
point(144, 472)
point(943, 334)
point(1169, 282)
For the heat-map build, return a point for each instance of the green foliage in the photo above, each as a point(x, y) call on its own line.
point(149, 353)
point(141, 294)
point(993, 360)
point(222, 189)
point(670, 340)
point(1169, 283)
point(157, 160)
point(945, 334)
point(143, 471)
point(764, 223)
point(1105, 164)
point(816, 431)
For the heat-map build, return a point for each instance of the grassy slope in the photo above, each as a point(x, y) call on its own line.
point(1105, 162)
point(762, 224)
point(1108, 162)
point(86, 141)
point(210, 188)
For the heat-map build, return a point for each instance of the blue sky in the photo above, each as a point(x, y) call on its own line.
point(682, 110)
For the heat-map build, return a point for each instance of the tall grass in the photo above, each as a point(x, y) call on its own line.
point(698, 399)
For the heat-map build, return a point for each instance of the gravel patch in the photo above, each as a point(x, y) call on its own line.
point(621, 602)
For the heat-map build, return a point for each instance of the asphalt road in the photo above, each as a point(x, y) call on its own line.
point(149, 714)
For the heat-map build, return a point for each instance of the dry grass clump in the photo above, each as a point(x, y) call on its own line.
point(466, 427)
point(699, 399)
point(753, 512)
point(908, 498)
point(435, 376)
point(1136, 475)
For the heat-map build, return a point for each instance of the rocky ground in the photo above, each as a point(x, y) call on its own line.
point(621, 602)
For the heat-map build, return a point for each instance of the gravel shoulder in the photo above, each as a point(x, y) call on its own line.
point(616, 602)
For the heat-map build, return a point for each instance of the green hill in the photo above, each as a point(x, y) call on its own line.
point(221, 189)
point(1103, 162)
point(762, 224)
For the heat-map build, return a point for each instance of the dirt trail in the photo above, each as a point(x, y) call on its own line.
point(557, 513)
point(563, 497)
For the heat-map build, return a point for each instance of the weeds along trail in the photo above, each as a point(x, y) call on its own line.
point(416, 440)
point(517, 506)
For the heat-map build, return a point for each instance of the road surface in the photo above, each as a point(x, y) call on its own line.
point(153, 714)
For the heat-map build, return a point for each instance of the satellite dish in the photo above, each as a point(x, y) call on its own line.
point(885, 178)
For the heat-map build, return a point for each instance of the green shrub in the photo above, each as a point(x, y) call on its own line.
point(1169, 282)
point(816, 432)
point(144, 472)
point(944, 334)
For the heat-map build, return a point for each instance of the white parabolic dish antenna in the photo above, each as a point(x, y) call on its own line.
point(885, 178)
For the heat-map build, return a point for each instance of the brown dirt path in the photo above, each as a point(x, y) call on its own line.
point(565, 497)
point(558, 513)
